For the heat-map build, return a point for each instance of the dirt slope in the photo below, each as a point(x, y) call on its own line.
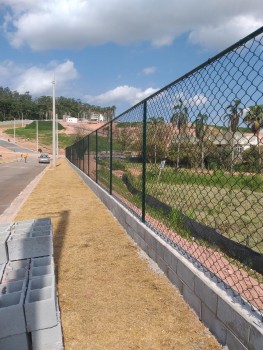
point(110, 295)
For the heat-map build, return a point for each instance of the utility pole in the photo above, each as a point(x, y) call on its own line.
point(54, 127)
point(37, 133)
point(14, 131)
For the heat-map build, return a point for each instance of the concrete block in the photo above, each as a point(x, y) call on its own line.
point(162, 264)
point(191, 298)
point(15, 342)
point(173, 277)
point(233, 342)
point(206, 294)
point(49, 338)
point(152, 254)
point(4, 234)
point(185, 274)
point(41, 267)
point(25, 222)
point(168, 256)
point(2, 268)
point(214, 324)
point(6, 226)
point(15, 271)
point(42, 222)
point(256, 337)
point(40, 304)
point(12, 318)
point(233, 320)
point(12, 287)
point(30, 244)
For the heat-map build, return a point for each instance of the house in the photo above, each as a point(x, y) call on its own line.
point(241, 141)
point(96, 117)
point(69, 119)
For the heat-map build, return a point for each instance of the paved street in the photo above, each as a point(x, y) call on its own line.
point(15, 176)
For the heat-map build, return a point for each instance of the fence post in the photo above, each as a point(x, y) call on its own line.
point(111, 157)
point(96, 155)
point(144, 158)
point(83, 152)
point(88, 157)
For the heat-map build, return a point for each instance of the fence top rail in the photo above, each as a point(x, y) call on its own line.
point(201, 66)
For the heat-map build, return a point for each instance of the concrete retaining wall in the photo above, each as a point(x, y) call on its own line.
point(232, 322)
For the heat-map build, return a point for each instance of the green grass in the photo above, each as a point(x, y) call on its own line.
point(44, 134)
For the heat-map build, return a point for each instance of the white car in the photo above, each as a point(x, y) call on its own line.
point(44, 158)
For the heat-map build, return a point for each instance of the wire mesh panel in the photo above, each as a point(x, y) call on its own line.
point(188, 161)
point(103, 156)
point(127, 158)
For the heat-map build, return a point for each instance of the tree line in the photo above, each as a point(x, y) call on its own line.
point(14, 105)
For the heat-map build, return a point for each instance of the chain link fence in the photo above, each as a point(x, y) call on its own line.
point(188, 162)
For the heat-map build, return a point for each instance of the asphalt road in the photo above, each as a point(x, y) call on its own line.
point(14, 177)
point(13, 147)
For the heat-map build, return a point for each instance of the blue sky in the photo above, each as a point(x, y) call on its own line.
point(114, 52)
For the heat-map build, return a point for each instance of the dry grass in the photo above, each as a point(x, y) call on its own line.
point(109, 296)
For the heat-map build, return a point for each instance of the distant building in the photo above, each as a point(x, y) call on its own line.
point(96, 117)
point(69, 119)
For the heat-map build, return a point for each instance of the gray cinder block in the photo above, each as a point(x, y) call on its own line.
point(12, 287)
point(12, 319)
point(4, 234)
point(41, 267)
point(15, 342)
point(15, 270)
point(30, 244)
point(2, 268)
point(49, 338)
point(40, 303)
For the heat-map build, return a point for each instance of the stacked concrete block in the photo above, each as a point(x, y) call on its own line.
point(29, 314)
point(30, 239)
point(40, 303)
point(4, 234)
point(13, 334)
point(48, 338)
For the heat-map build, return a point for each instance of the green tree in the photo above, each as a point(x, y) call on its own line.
point(233, 114)
point(254, 119)
point(180, 119)
point(200, 131)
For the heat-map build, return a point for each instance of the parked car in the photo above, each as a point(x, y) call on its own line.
point(44, 158)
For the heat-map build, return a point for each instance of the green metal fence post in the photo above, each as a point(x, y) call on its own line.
point(96, 155)
point(88, 156)
point(111, 158)
point(83, 152)
point(144, 159)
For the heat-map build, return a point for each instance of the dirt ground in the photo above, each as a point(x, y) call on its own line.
point(110, 295)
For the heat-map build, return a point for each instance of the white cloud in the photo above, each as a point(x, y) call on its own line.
point(198, 100)
point(56, 24)
point(37, 79)
point(149, 70)
point(129, 94)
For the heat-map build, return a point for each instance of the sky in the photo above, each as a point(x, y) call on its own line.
point(114, 52)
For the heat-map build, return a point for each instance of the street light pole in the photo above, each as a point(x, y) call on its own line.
point(37, 133)
point(54, 127)
point(14, 131)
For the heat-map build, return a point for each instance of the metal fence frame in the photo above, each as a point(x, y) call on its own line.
point(99, 146)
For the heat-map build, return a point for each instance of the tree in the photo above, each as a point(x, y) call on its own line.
point(254, 119)
point(155, 139)
point(180, 119)
point(200, 131)
point(233, 114)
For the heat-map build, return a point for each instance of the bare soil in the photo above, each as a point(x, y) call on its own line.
point(110, 295)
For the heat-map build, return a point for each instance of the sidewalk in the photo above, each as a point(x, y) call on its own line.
point(111, 296)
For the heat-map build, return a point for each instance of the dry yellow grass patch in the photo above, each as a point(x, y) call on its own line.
point(109, 296)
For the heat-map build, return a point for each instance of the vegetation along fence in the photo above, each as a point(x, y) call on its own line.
point(188, 161)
